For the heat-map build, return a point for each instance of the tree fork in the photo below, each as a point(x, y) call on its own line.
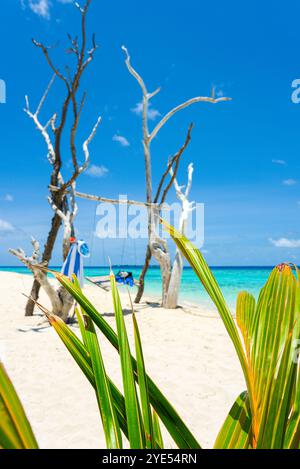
point(48, 249)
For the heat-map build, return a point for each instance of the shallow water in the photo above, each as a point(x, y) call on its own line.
point(231, 281)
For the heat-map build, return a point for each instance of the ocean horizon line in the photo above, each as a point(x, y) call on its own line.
point(137, 266)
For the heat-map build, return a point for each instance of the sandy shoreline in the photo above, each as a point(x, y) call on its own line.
point(187, 353)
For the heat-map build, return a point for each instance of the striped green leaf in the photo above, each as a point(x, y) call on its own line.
point(83, 359)
point(292, 435)
point(103, 391)
point(81, 325)
point(15, 429)
point(206, 277)
point(143, 386)
point(269, 330)
point(275, 327)
point(245, 313)
point(236, 430)
point(178, 430)
point(157, 435)
point(133, 413)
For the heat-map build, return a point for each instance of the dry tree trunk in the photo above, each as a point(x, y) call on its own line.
point(157, 246)
point(174, 283)
point(58, 199)
point(61, 300)
point(159, 201)
point(141, 286)
point(47, 254)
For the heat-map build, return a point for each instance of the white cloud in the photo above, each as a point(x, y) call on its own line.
point(40, 8)
point(7, 198)
point(96, 171)
point(152, 113)
point(282, 162)
point(5, 226)
point(289, 182)
point(122, 140)
point(285, 243)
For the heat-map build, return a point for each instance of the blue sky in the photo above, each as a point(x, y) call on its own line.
point(245, 152)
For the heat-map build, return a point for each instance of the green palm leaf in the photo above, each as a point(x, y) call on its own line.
point(205, 275)
point(168, 415)
point(245, 311)
point(292, 436)
point(157, 435)
point(143, 386)
point(83, 359)
point(133, 413)
point(275, 327)
point(269, 330)
point(81, 325)
point(103, 391)
point(15, 429)
point(236, 430)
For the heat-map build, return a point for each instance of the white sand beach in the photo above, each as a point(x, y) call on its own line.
point(187, 353)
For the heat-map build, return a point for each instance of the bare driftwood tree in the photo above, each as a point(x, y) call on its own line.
point(157, 246)
point(157, 206)
point(54, 132)
point(155, 200)
point(61, 300)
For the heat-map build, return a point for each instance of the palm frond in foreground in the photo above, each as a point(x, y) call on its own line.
point(137, 413)
point(267, 414)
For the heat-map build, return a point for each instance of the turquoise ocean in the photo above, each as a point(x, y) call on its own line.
point(231, 280)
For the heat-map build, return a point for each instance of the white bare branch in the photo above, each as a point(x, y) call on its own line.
point(184, 105)
point(43, 128)
point(74, 206)
point(186, 205)
point(60, 213)
point(85, 146)
point(157, 247)
point(190, 179)
point(145, 129)
point(79, 7)
point(52, 122)
point(67, 216)
point(32, 260)
point(186, 208)
point(134, 73)
point(35, 257)
point(104, 200)
point(154, 93)
point(45, 95)
point(61, 301)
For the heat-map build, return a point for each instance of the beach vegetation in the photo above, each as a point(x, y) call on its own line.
point(60, 127)
point(265, 335)
point(137, 412)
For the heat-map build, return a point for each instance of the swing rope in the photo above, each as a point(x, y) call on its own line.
point(93, 236)
point(123, 252)
point(123, 248)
